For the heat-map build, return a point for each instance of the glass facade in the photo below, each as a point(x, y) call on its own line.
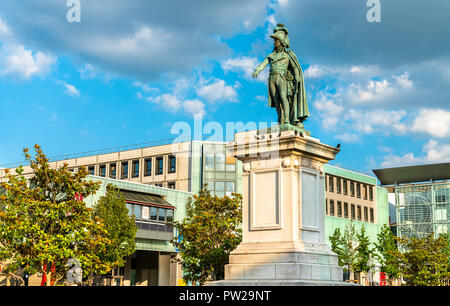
point(219, 170)
point(422, 209)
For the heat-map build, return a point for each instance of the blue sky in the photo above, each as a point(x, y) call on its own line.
point(132, 69)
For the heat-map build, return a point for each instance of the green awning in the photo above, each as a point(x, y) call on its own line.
point(150, 199)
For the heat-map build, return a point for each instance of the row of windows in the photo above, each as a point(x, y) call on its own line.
point(221, 188)
point(135, 168)
point(219, 162)
point(346, 187)
point(150, 213)
point(357, 212)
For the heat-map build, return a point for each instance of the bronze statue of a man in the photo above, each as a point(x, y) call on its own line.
point(286, 85)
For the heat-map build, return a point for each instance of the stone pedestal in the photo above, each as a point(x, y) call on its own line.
point(283, 211)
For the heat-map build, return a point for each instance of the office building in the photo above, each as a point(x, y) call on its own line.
point(421, 196)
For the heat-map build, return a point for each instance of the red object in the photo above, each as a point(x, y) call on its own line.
point(78, 197)
point(382, 279)
point(44, 275)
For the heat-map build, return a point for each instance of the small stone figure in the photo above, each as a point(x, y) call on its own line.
point(286, 85)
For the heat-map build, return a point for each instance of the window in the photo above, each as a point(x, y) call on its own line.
point(153, 213)
point(158, 184)
point(352, 189)
point(209, 162)
point(220, 162)
point(220, 186)
point(358, 212)
point(326, 204)
point(124, 170)
point(161, 214)
point(345, 187)
point(365, 192)
point(102, 170)
point(372, 218)
point(352, 212)
point(366, 214)
point(371, 193)
point(358, 190)
point(440, 198)
point(230, 164)
point(345, 210)
point(148, 167)
point(231, 167)
point(339, 209)
point(91, 170)
point(159, 165)
point(171, 185)
point(145, 213)
point(113, 170)
point(331, 207)
point(130, 209)
point(172, 164)
point(135, 168)
point(230, 186)
point(137, 211)
point(338, 185)
point(330, 184)
point(169, 215)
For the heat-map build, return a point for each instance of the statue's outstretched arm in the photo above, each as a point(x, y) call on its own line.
point(260, 67)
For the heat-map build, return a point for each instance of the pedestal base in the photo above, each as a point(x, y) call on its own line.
point(277, 283)
point(252, 266)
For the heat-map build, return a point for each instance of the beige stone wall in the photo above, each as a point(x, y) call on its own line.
point(181, 177)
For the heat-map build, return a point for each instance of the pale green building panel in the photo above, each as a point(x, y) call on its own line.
point(177, 198)
point(350, 175)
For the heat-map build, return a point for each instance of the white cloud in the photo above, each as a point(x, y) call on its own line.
point(435, 122)
point(243, 64)
point(5, 30)
point(194, 107)
point(434, 152)
point(144, 87)
point(167, 101)
point(70, 89)
point(217, 91)
point(87, 72)
point(371, 121)
point(314, 71)
point(379, 91)
point(16, 60)
point(348, 137)
point(172, 103)
point(330, 110)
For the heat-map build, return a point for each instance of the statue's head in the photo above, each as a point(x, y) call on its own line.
point(281, 37)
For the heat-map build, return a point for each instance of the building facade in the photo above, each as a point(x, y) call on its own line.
point(421, 196)
point(155, 210)
point(352, 197)
point(185, 166)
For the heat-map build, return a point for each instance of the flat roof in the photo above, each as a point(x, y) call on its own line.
point(413, 174)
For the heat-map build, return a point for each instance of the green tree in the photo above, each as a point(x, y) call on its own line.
point(345, 246)
point(208, 234)
point(121, 228)
point(44, 223)
point(423, 261)
point(385, 250)
point(364, 252)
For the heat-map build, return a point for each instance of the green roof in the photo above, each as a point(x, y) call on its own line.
point(145, 198)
